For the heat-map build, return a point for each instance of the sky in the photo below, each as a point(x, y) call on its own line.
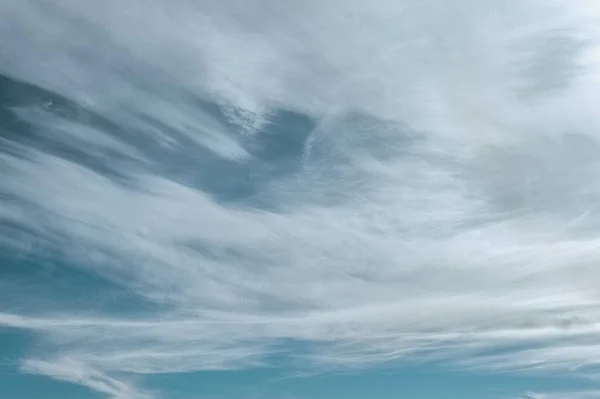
point(261, 199)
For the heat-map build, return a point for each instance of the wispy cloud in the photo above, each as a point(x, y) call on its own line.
point(70, 370)
point(445, 204)
point(562, 395)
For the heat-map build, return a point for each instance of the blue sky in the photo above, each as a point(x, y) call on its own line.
point(299, 200)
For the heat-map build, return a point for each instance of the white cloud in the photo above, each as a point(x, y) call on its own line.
point(76, 372)
point(474, 231)
point(562, 395)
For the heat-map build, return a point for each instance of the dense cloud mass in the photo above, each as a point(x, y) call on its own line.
point(378, 181)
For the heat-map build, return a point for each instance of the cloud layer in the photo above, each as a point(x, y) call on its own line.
point(403, 180)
